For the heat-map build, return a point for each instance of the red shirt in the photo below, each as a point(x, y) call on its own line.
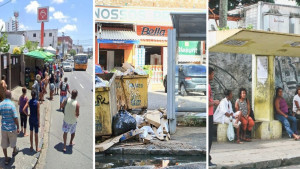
point(211, 107)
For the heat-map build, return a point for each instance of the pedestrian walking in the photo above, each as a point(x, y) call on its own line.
point(10, 126)
point(57, 81)
point(64, 88)
point(212, 103)
point(61, 72)
point(70, 118)
point(34, 120)
point(23, 113)
point(3, 88)
point(51, 86)
point(36, 86)
point(42, 90)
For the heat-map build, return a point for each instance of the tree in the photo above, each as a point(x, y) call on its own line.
point(223, 13)
point(72, 52)
point(4, 46)
point(31, 45)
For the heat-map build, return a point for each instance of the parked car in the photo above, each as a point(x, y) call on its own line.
point(190, 78)
point(67, 66)
point(176, 80)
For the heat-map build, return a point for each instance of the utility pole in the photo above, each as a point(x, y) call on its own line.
point(63, 44)
point(223, 13)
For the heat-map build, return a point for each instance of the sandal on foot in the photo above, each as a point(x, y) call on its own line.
point(6, 162)
point(239, 142)
point(15, 152)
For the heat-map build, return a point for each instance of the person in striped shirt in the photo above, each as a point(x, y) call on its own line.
point(10, 126)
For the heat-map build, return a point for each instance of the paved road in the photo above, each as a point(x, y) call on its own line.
point(81, 155)
point(196, 102)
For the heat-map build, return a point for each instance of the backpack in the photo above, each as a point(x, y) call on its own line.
point(64, 86)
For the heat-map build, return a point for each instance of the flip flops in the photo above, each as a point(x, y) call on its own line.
point(15, 152)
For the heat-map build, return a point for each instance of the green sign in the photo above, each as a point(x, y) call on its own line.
point(189, 48)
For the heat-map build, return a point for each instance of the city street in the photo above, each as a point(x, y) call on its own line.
point(81, 155)
point(196, 102)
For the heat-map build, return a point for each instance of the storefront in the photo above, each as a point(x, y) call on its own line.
point(137, 35)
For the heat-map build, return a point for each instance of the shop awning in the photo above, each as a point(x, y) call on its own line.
point(125, 37)
point(256, 42)
point(189, 26)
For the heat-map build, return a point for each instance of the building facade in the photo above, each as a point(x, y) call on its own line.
point(50, 37)
point(137, 32)
point(266, 16)
point(12, 25)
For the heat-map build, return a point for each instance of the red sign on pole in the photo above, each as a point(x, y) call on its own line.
point(43, 14)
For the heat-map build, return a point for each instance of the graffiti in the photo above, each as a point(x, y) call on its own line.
point(98, 125)
point(135, 97)
point(233, 71)
point(100, 100)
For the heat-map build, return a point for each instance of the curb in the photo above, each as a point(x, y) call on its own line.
point(283, 162)
point(195, 165)
point(41, 142)
point(144, 151)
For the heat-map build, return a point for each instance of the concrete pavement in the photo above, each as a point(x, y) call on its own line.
point(256, 154)
point(186, 141)
point(80, 155)
point(25, 158)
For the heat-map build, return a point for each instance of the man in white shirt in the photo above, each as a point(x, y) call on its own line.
point(224, 112)
point(296, 101)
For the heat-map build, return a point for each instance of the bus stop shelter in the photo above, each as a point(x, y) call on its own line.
point(263, 46)
point(186, 27)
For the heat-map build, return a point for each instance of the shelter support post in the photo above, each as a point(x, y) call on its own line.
point(171, 80)
point(263, 93)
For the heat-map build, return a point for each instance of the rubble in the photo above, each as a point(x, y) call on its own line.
point(99, 82)
point(151, 125)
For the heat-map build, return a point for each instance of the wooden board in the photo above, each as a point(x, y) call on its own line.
point(107, 144)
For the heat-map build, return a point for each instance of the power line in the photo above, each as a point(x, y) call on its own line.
point(6, 3)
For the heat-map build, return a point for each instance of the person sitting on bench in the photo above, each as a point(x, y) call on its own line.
point(224, 111)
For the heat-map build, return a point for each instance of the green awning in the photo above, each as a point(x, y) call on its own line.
point(37, 54)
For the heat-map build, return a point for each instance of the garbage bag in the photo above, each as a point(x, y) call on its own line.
point(230, 130)
point(123, 122)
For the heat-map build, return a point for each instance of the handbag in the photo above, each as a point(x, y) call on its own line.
point(251, 113)
point(230, 130)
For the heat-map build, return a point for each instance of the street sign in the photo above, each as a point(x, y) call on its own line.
point(43, 14)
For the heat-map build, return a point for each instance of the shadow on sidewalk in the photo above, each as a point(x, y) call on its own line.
point(59, 148)
point(10, 164)
point(27, 151)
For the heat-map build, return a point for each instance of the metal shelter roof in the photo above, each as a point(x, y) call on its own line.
point(256, 42)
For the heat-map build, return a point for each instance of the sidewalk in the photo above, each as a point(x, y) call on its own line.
point(25, 158)
point(186, 141)
point(256, 154)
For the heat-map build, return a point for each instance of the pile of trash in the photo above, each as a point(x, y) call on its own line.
point(99, 82)
point(128, 69)
point(151, 125)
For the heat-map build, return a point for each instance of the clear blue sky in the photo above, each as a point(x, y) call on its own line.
point(73, 17)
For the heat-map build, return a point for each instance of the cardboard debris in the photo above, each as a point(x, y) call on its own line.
point(130, 134)
point(159, 129)
point(161, 138)
point(153, 118)
point(147, 139)
point(107, 144)
point(164, 112)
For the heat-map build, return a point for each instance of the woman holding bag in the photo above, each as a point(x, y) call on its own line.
point(243, 105)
